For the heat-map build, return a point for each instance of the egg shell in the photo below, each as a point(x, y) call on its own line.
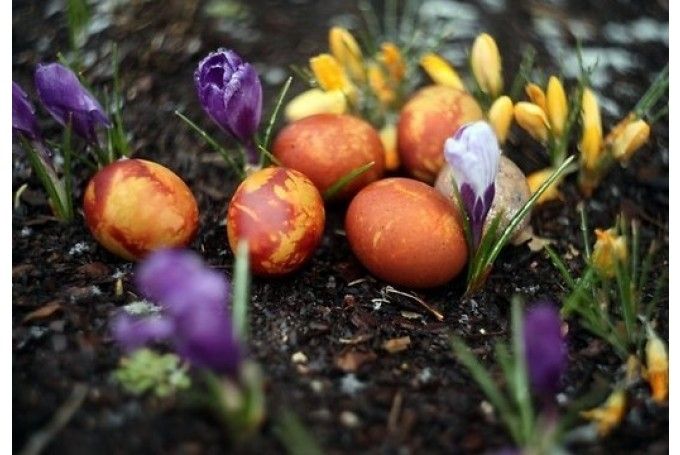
point(134, 207)
point(325, 147)
point(431, 116)
point(406, 233)
point(512, 192)
point(280, 213)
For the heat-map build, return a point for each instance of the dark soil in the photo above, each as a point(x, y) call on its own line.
point(317, 310)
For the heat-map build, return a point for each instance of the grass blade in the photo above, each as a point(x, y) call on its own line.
point(275, 112)
point(345, 180)
point(241, 300)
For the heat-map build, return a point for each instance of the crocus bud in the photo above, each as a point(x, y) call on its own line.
point(536, 95)
point(591, 138)
point(23, 114)
point(609, 415)
point(346, 50)
point(379, 85)
point(556, 106)
point(500, 116)
point(536, 179)
point(68, 101)
point(473, 155)
point(486, 65)
point(633, 136)
point(331, 76)
point(391, 57)
point(657, 367)
point(544, 348)
point(230, 92)
point(533, 119)
point(388, 137)
point(440, 71)
point(316, 101)
point(610, 249)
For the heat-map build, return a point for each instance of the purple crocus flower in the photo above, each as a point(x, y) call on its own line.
point(231, 93)
point(194, 315)
point(544, 348)
point(67, 100)
point(473, 155)
point(23, 115)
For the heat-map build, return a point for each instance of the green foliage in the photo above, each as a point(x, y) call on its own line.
point(241, 300)
point(346, 179)
point(146, 371)
point(292, 433)
point(616, 309)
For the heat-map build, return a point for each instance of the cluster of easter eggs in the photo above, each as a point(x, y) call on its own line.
point(402, 230)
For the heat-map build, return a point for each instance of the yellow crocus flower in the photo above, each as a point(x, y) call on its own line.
point(388, 137)
point(316, 101)
point(633, 136)
point(391, 57)
point(536, 95)
point(556, 106)
point(500, 117)
point(591, 138)
point(440, 71)
point(330, 75)
point(610, 414)
point(379, 84)
point(536, 179)
point(485, 61)
point(657, 367)
point(533, 119)
point(610, 248)
point(347, 51)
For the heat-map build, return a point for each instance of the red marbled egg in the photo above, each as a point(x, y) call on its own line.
point(431, 116)
point(133, 207)
point(280, 213)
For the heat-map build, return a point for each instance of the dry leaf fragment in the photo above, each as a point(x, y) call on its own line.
point(43, 312)
point(351, 361)
point(396, 344)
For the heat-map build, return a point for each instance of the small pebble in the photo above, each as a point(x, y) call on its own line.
point(349, 419)
point(299, 357)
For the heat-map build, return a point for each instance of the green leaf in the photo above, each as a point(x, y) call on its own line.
point(241, 300)
point(293, 435)
point(521, 379)
point(345, 180)
point(561, 267)
point(275, 113)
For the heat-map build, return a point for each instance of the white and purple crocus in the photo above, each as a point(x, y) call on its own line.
point(230, 92)
point(68, 101)
point(194, 317)
point(474, 156)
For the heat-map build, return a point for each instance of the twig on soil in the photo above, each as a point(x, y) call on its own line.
point(39, 440)
point(395, 410)
point(437, 314)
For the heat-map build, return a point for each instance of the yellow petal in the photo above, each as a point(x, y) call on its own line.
point(657, 367)
point(591, 139)
point(556, 106)
point(634, 136)
point(316, 101)
point(330, 75)
point(347, 51)
point(388, 137)
point(536, 179)
point(379, 85)
point(610, 414)
point(533, 119)
point(440, 71)
point(486, 65)
point(500, 116)
point(610, 248)
point(391, 57)
point(536, 95)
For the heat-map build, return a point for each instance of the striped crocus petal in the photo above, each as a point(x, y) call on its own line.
point(473, 155)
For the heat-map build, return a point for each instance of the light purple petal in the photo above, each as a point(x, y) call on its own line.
point(23, 114)
point(66, 100)
point(132, 333)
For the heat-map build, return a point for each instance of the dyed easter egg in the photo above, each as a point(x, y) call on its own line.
point(326, 147)
point(406, 233)
point(431, 116)
point(134, 206)
point(512, 192)
point(280, 213)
